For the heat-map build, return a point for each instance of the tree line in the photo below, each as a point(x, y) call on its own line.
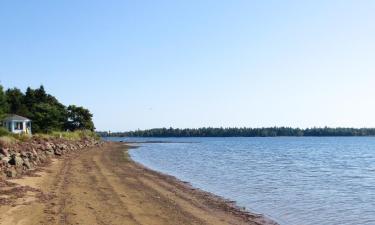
point(45, 111)
point(244, 132)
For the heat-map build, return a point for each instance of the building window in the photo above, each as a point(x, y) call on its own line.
point(18, 126)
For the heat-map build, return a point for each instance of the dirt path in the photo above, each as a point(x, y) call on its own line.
point(102, 186)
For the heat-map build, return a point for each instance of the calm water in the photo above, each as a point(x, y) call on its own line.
point(295, 181)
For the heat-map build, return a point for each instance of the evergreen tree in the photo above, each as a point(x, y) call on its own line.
point(14, 99)
point(248, 132)
point(4, 108)
point(45, 111)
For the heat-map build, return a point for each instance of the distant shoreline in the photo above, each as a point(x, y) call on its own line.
point(246, 132)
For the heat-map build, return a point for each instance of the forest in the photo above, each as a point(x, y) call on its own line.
point(45, 111)
point(244, 132)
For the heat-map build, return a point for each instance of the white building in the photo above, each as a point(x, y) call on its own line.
point(17, 124)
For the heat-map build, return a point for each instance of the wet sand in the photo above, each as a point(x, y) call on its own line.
point(103, 186)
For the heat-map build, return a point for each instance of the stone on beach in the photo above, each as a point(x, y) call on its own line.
point(20, 157)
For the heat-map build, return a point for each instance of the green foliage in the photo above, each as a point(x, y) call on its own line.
point(79, 118)
point(45, 111)
point(3, 132)
point(4, 107)
point(14, 99)
point(47, 118)
point(246, 132)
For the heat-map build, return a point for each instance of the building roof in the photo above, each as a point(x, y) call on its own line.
point(16, 117)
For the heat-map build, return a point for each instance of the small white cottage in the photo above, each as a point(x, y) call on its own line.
point(17, 124)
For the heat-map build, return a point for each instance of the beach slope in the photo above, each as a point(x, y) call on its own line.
point(103, 186)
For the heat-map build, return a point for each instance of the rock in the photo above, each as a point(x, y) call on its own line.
point(58, 152)
point(23, 154)
point(5, 159)
point(48, 146)
point(49, 152)
point(11, 172)
point(33, 151)
point(16, 160)
point(4, 151)
point(41, 158)
point(26, 163)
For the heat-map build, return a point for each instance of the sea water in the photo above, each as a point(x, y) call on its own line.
point(293, 180)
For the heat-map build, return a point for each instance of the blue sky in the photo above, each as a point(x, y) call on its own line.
point(145, 64)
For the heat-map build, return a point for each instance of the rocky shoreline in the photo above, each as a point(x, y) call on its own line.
point(22, 157)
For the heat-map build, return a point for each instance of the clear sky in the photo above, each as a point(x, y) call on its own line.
point(145, 64)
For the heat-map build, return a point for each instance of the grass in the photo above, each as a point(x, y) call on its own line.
point(7, 140)
point(75, 135)
point(7, 137)
point(21, 137)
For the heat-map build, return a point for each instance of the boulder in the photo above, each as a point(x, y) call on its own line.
point(41, 158)
point(19, 157)
point(5, 159)
point(58, 152)
point(16, 160)
point(11, 172)
point(4, 151)
point(26, 164)
point(49, 152)
point(33, 151)
point(23, 154)
point(48, 146)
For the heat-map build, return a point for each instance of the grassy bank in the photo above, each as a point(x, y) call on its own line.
point(9, 138)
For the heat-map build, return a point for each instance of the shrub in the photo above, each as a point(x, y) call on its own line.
point(3, 132)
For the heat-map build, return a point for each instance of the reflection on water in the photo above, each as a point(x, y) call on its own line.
point(329, 180)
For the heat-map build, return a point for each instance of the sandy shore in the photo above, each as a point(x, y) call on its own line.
point(103, 186)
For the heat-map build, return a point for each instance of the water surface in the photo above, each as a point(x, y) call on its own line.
point(294, 180)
